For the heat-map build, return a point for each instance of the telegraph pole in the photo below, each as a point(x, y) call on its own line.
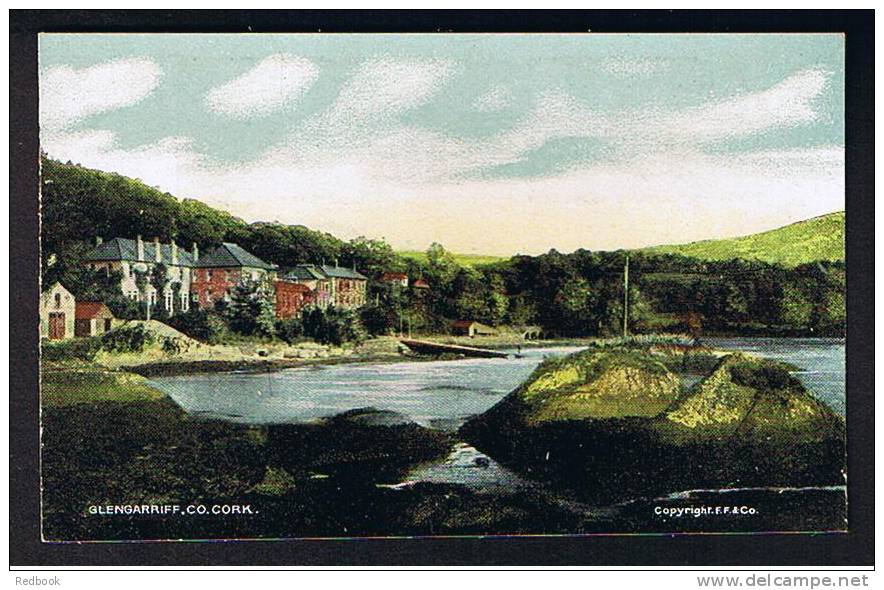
point(626, 297)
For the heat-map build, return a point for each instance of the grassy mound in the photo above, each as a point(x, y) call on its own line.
point(596, 384)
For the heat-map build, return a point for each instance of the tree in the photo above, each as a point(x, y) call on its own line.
point(250, 311)
point(159, 280)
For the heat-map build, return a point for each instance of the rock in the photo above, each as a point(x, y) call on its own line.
point(612, 424)
point(362, 446)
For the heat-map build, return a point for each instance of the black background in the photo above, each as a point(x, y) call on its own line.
point(853, 548)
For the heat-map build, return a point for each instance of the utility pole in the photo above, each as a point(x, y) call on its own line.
point(626, 297)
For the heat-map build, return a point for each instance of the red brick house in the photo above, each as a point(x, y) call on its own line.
point(291, 298)
point(312, 277)
point(217, 273)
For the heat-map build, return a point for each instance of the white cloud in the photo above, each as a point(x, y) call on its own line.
point(276, 81)
point(787, 104)
point(497, 98)
point(410, 184)
point(69, 95)
point(624, 66)
point(380, 89)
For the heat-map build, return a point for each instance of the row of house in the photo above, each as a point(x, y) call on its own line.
point(203, 280)
point(195, 279)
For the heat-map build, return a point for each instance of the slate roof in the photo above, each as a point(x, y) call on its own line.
point(340, 272)
point(229, 255)
point(305, 272)
point(126, 249)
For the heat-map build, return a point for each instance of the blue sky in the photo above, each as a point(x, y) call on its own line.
point(487, 143)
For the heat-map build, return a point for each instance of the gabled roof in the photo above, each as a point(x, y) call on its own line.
point(229, 255)
point(420, 284)
point(463, 323)
point(340, 272)
point(394, 276)
point(87, 310)
point(306, 272)
point(126, 249)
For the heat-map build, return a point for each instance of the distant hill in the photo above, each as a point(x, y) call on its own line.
point(819, 238)
point(462, 259)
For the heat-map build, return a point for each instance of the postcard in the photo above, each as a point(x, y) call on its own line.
point(441, 285)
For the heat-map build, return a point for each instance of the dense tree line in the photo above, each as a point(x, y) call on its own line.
point(575, 294)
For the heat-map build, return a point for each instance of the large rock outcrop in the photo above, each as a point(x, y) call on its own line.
point(614, 424)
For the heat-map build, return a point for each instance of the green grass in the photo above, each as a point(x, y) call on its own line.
point(70, 387)
point(820, 238)
point(462, 259)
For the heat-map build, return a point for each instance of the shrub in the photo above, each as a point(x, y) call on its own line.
point(77, 348)
point(289, 330)
point(200, 324)
point(333, 326)
point(378, 319)
point(127, 339)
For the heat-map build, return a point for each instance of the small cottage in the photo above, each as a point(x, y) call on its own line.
point(472, 329)
point(396, 278)
point(94, 318)
point(57, 311)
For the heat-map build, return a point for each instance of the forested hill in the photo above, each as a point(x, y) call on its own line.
point(79, 204)
point(574, 294)
point(820, 238)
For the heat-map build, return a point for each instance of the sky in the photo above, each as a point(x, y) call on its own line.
point(494, 144)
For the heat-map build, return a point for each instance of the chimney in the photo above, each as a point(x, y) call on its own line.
point(174, 254)
point(196, 252)
point(140, 247)
point(158, 255)
point(98, 240)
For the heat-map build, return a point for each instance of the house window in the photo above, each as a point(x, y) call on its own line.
point(168, 301)
point(208, 275)
point(58, 300)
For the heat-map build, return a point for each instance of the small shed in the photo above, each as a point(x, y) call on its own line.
point(94, 318)
point(57, 310)
point(472, 329)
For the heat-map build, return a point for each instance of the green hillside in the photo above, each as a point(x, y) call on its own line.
point(462, 259)
point(819, 238)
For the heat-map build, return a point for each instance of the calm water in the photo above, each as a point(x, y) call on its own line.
point(438, 394)
point(443, 394)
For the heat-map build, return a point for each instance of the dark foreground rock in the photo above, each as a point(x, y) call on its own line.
point(136, 453)
point(363, 446)
point(612, 424)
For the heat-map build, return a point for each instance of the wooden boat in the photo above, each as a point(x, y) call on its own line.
point(434, 348)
